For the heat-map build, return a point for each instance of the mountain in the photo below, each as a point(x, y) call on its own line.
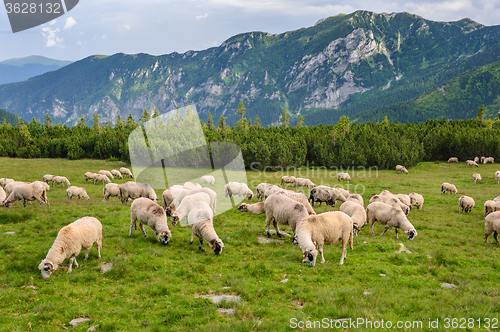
point(20, 69)
point(8, 117)
point(356, 64)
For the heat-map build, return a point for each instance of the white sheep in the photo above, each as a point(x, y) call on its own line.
point(286, 180)
point(27, 192)
point(257, 208)
point(281, 209)
point(489, 160)
point(497, 199)
point(111, 189)
point(202, 224)
point(9, 187)
point(71, 239)
point(326, 228)
point(389, 216)
point(492, 225)
point(416, 200)
point(445, 186)
point(237, 188)
point(476, 159)
point(272, 190)
point(101, 178)
point(135, 190)
point(300, 182)
point(89, 176)
point(491, 206)
point(151, 214)
point(107, 173)
point(465, 204)
point(126, 171)
point(326, 194)
point(405, 199)
point(497, 177)
point(61, 179)
point(356, 198)
point(117, 174)
point(356, 212)
point(261, 189)
point(187, 204)
point(299, 197)
point(343, 176)
point(476, 177)
point(482, 159)
point(453, 160)
point(471, 163)
point(170, 194)
point(47, 187)
point(392, 200)
point(48, 178)
point(177, 201)
point(401, 168)
point(3, 195)
point(210, 179)
point(191, 186)
point(76, 191)
point(5, 181)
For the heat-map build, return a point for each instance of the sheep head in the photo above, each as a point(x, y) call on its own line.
point(175, 218)
point(46, 267)
point(243, 207)
point(310, 257)
point(216, 246)
point(170, 209)
point(250, 194)
point(412, 233)
point(165, 237)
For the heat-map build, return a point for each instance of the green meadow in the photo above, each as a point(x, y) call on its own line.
point(152, 287)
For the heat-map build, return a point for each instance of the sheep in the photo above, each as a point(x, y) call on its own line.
point(489, 160)
point(151, 214)
point(326, 194)
point(27, 192)
point(343, 176)
point(61, 179)
point(71, 239)
point(476, 177)
point(465, 203)
point(299, 197)
point(283, 210)
point(9, 187)
point(187, 203)
point(356, 198)
point(385, 192)
point(497, 199)
point(272, 190)
point(111, 189)
point(3, 195)
point(261, 189)
point(77, 191)
point(344, 192)
point(356, 212)
point(116, 174)
point(482, 159)
point(48, 178)
point(448, 187)
point(287, 179)
point(476, 159)
point(491, 206)
point(300, 182)
point(471, 163)
point(492, 225)
point(202, 224)
point(135, 190)
point(497, 176)
point(191, 186)
point(210, 179)
point(391, 200)
point(236, 188)
point(326, 228)
point(89, 176)
point(405, 199)
point(257, 208)
point(126, 171)
point(401, 168)
point(390, 217)
point(170, 194)
point(5, 181)
point(453, 160)
point(47, 187)
point(101, 178)
point(177, 201)
point(107, 173)
point(416, 200)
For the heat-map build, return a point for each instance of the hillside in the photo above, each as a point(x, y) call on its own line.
point(344, 65)
point(20, 69)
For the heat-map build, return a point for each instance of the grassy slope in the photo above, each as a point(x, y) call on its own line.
point(449, 248)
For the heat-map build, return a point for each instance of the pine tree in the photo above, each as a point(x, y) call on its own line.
point(480, 114)
point(130, 121)
point(241, 109)
point(155, 113)
point(81, 123)
point(256, 122)
point(285, 119)
point(210, 121)
point(119, 122)
point(145, 116)
point(300, 124)
point(97, 123)
point(222, 124)
point(48, 120)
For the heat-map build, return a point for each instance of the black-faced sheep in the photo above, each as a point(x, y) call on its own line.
point(27, 192)
point(237, 188)
point(76, 191)
point(326, 194)
point(177, 201)
point(71, 239)
point(135, 190)
point(356, 212)
point(210, 179)
point(453, 160)
point(465, 204)
point(492, 225)
point(151, 214)
point(257, 208)
point(491, 206)
point(186, 205)
point(202, 223)
point(401, 168)
point(392, 200)
point(389, 216)
point(126, 171)
point(448, 187)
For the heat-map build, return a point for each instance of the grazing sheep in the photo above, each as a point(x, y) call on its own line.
point(392, 200)
point(202, 224)
point(497, 177)
point(287, 179)
point(116, 174)
point(492, 225)
point(71, 239)
point(89, 176)
point(476, 159)
point(497, 199)
point(416, 200)
point(448, 187)
point(356, 212)
point(344, 192)
point(401, 168)
point(356, 198)
point(135, 190)
point(27, 192)
point(107, 173)
point(453, 160)
point(476, 177)
point(300, 182)
point(177, 201)
point(61, 179)
point(237, 188)
point(343, 176)
point(191, 186)
point(299, 197)
point(47, 187)
point(210, 179)
point(261, 189)
point(489, 160)
point(471, 163)
point(405, 199)
point(283, 210)
point(9, 187)
point(111, 189)
point(491, 206)
point(272, 190)
point(257, 208)
point(151, 214)
point(3, 195)
point(101, 178)
point(48, 178)
point(326, 228)
point(77, 191)
point(126, 171)
point(389, 216)
point(482, 159)
point(187, 203)
point(326, 194)
point(465, 203)
point(170, 194)
point(5, 181)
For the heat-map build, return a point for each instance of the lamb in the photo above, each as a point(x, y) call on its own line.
point(261, 189)
point(107, 173)
point(77, 191)
point(236, 188)
point(391, 200)
point(405, 199)
point(48, 178)
point(416, 200)
point(135, 190)
point(497, 176)
point(453, 160)
point(287, 179)
point(89, 176)
point(71, 239)
point(390, 217)
point(5, 181)
point(343, 176)
point(27, 192)
point(283, 210)
point(126, 171)
point(257, 208)
point(448, 187)
point(476, 177)
point(170, 194)
point(489, 160)
point(326, 228)
point(326, 194)
point(300, 182)
point(356, 212)
point(187, 203)
point(491, 206)
point(202, 224)
point(191, 186)
point(401, 168)
point(116, 174)
point(210, 179)
point(151, 214)
point(61, 179)
point(356, 198)
point(492, 225)
point(471, 163)
point(177, 201)
point(111, 189)
point(101, 178)
point(465, 203)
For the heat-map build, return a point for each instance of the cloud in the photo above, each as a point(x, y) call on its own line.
point(202, 16)
point(52, 22)
point(52, 39)
point(70, 21)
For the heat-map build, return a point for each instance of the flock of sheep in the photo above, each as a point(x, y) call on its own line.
point(198, 205)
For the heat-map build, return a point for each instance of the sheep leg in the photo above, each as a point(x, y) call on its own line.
point(201, 245)
point(396, 232)
point(141, 226)
point(371, 227)
point(385, 230)
point(486, 237)
point(320, 249)
point(275, 224)
point(495, 236)
point(99, 246)
point(192, 237)
point(24, 202)
point(86, 254)
point(268, 220)
point(132, 224)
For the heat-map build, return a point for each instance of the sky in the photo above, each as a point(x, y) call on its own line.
point(165, 26)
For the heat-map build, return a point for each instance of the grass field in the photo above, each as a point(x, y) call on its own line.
point(152, 287)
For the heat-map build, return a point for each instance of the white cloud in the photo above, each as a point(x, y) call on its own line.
point(52, 22)
point(52, 39)
point(70, 21)
point(202, 16)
